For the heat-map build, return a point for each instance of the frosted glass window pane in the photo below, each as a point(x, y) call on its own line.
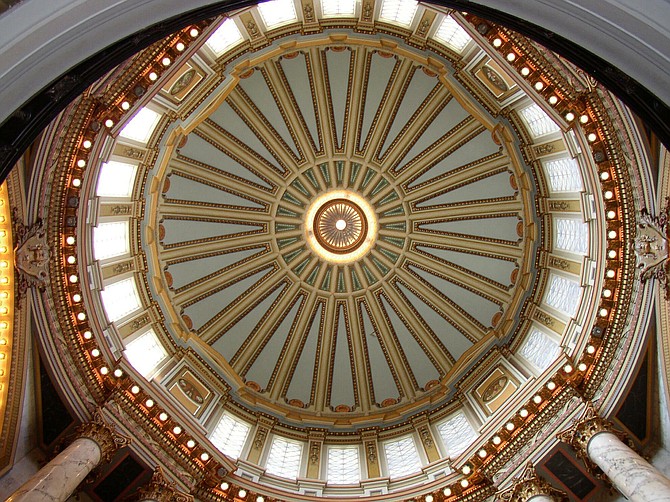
point(229, 436)
point(284, 458)
point(398, 11)
point(120, 299)
point(452, 34)
point(564, 175)
point(564, 294)
point(539, 349)
point(401, 457)
point(116, 179)
point(572, 235)
point(457, 434)
point(343, 466)
point(110, 239)
point(277, 12)
point(145, 352)
point(338, 7)
point(538, 122)
point(141, 125)
point(226, 36)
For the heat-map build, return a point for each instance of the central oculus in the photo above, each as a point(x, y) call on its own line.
point(341, 226)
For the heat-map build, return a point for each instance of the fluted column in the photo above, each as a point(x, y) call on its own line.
point(160, 490)
point(598, 443)
point(531, 487)
point(57, 480)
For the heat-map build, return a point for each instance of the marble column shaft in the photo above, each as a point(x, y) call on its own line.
point(632, 475)
point(57, 480)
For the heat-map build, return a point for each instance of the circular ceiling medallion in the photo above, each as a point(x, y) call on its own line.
point(340, 226)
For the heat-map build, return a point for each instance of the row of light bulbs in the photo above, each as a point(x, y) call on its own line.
point(570, 113)
point(6, 298)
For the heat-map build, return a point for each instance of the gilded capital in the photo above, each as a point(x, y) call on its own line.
point(103, 433)
point(581, 432)
point(160, 489)
point(529, 485)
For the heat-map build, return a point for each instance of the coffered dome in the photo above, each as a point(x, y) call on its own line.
point(340, 324)
point(343, 250)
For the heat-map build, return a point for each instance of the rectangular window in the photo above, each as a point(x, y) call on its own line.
point(277, 12)
point(230, 435)
point(564, 175)
point(343, 466)
point(141, 126)
point(110, 239)
point(116, 179)
point(120, 299)
point(564, 294)
point(402, 458)
point(284, 458)
point(145, 352)
point(572, 235)
point(538, 121)
point(225, 37)
point(457, 434)
point(398, 11)
point(331, 8)
point(539, 349)
point(452, 34)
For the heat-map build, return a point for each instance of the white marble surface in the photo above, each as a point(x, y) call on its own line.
point(541, 498)
point(56, 481)
point(22, 470)
point(661, 456)
point(633, 476)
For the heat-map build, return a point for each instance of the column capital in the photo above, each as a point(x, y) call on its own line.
point(104, 435)
point(160, 489)
point(587, 425)
point(528, 485)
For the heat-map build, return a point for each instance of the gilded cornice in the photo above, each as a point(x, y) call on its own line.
point(13, 322)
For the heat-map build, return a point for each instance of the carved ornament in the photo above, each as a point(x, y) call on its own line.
point(426, 437)
point(371, 451)
point(545, 319)
point(544, 149)
point(315, 453)
point(651, 247)
point(161, 490)
point(259, 441)
point(529, 485)
point(31, 256)
point(103, 433)
point(559, 263)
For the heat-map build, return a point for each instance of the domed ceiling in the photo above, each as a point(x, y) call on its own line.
point(290, 307)
point(318, 251)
